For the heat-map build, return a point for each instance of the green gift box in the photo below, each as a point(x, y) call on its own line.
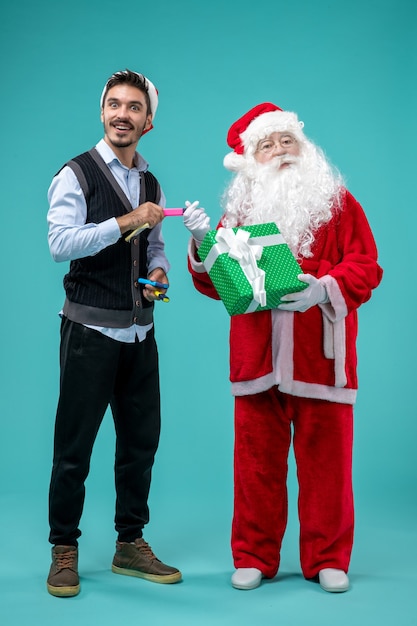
point(251, 267)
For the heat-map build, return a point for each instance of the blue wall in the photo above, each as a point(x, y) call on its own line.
point(347, 68)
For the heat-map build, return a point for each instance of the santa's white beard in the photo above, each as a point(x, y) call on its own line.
point(299, 198)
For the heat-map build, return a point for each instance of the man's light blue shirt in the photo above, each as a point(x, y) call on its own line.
point(71, 238)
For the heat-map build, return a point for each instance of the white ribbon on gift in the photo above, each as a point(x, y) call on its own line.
point(246, 251)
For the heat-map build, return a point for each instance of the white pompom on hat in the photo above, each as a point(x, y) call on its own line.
point(262, 120)
point(152, 91)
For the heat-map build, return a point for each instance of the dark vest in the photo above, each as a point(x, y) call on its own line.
point(102, 290)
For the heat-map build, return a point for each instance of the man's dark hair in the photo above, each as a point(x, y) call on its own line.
point(127, 77)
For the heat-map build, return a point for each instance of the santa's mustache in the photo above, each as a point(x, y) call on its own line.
point(284, 159)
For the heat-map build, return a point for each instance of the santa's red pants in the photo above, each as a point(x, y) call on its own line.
point(323, 434)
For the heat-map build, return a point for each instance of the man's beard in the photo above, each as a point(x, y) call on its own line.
point(122, 142)
point(299, 197)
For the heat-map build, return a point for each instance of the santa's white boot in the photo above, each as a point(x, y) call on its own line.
point(246, 578)
point(333, 580)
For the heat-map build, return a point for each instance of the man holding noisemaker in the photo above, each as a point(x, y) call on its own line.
point(108, 352)
point(293, 368)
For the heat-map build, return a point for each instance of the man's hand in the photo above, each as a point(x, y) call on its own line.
point(197, 221)
point(146, 213)
point(301, 301)
point(159, 276)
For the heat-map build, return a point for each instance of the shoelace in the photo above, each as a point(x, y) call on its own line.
point(147, 550)
point(65, 560)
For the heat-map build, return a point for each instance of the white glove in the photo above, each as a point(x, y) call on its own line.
point(300, 301)
point(197, 221)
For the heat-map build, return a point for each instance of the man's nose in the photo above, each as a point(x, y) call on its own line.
point(123, 111)
point(278, 150)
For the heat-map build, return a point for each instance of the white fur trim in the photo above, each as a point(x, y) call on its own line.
point(342, 395)
point(334, 329)
point(271, 122)
point(336, 309)
point(250, 387)
point(196, 265)
point(234, 162)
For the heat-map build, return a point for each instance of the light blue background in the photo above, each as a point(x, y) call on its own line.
point(349, 70)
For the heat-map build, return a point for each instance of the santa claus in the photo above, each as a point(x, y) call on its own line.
point(293, 368)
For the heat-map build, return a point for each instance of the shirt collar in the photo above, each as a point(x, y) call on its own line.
point(108, 156)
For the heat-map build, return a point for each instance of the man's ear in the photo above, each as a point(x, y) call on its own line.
point(148, 124)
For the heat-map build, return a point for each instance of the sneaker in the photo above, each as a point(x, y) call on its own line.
point(137, 559)
point(246, 578)
point(63, 578)
point(333, 580)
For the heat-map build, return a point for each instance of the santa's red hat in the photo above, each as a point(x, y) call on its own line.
point(152, 92)
point(262, 120)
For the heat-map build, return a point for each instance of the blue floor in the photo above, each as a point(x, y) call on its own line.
point(383, 573)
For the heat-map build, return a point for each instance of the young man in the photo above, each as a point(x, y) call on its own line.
point(108, 354)
point(293, 368)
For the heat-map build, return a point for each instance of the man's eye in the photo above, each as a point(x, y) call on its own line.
point(267, 145)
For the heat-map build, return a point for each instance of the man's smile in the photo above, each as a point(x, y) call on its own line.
point(122, 126)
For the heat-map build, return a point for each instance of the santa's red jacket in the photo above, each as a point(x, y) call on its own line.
point(310, 354)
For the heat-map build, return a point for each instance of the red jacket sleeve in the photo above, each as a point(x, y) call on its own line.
point(358, 272)
point(345, 250)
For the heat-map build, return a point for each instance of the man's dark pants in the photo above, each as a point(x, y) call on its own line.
point(97, 371)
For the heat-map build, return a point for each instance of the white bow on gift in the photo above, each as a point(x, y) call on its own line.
point(246, 252)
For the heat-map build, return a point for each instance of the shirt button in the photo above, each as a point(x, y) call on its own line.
point(135, 263)
point(137, 302)
point(135, 241)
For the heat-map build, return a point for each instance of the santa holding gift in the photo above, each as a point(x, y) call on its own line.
point(293, 368)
